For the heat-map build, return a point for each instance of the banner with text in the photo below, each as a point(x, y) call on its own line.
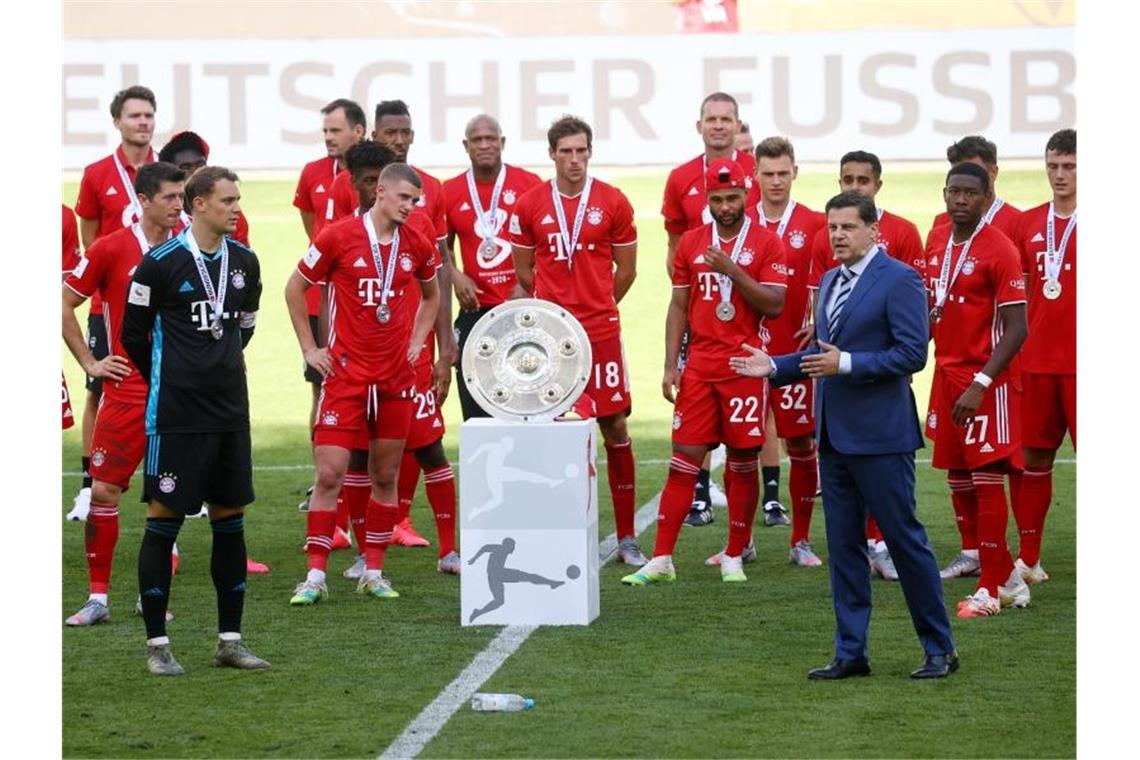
point(903, 95)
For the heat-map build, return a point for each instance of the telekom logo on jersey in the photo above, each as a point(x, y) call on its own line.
point(200, 314)
point(706, 281)
point(369, 290)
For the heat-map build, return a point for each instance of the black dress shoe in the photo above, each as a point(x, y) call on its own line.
point(838, 668)
point(937, 666)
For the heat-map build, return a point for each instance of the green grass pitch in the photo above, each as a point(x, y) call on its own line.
point(699, 668)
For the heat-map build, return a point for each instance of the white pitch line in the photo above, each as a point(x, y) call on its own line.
point(435, 716)
point(716, 462)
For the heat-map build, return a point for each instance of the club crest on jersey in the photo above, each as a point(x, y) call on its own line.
point(746, 257)
point(167, 482)
point(797, 238)
point(509, 197)
point(237, 279)
point(968, 267)
point(932, 420)
point(594, 216)
point(98, 457)
point(677, 421)
point(407, 264)
point(330, 418)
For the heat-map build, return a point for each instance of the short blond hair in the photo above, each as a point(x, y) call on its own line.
point(774, 147)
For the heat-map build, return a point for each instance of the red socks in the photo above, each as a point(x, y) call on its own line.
point(406, 484)
point(742, 485)
point(1030, 508)
point(380, 520)
point(322, 523)
point(676, 498)
point(100, 535)
point(993, 519)
point(354, 493)
point(440, 486)
point(965, 503)
point(803, 481)
point(622, 476)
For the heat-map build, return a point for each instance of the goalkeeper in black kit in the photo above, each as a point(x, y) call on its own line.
point(190, 311)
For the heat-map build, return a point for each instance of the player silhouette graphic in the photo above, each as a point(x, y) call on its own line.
point(499, 473)
point(498, 575)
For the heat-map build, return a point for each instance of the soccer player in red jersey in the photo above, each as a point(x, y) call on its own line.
point(478, 204)
point(728, 278)
point(978, 325)
point(371, 264)
point(685, 207)
point(862, 172)
point(343, 125)
point(107, 202)
point(978, 150)
point(70, 259)
point(792, 408)
point(119, 438)
point(1048, 242)
point(575, 244)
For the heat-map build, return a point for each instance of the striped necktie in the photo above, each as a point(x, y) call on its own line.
point(846, 278)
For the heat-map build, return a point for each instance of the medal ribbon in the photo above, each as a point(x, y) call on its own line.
point(136, 207)
point(785, 218)
point(945, 281)
point(994, 209)
point(487, 217)
point(1054, 254)
point(215, 300)
point(384, 274)
point(570, 240)
point(724, 282)
point(140, 236)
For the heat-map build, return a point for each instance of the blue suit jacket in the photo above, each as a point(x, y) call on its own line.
point(885, 327)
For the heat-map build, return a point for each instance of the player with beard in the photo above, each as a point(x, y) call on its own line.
point(575, 244)
point(684, 207)
point(107, 202)
point(478, 204)
point(728, 278)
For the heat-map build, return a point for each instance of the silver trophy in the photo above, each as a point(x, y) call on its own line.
point(527, 360)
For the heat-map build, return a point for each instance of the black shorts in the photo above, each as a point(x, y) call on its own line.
point(311, 375)
point(463, 324)
point(97, 342)
point(183, 470)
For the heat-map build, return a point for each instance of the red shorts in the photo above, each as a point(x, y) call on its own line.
point(993, 435)
point(1050, 410)
point(347, 411)
point(609, 380)
point(731, 412)
point(68, 417)
point(931, 429)
point(427, 422)
point(793, 406)
point(119, 440)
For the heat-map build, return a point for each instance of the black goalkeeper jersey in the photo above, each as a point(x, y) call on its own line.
point(196, 384)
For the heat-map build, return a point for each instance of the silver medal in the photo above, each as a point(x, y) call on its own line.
point(488, 250)
point(383, 313)
point(1051, 289)
point(216, 330)
point(936, 314)
point(725, 311)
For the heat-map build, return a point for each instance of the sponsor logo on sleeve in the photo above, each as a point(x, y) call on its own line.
point(312, 256)
point(140, 294)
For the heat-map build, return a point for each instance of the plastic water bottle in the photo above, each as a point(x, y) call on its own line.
point(481, 702)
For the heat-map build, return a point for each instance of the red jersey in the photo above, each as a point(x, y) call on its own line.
point(898, 236)
point(1006, 218)
point(801, 229)
point(970, 327)
point(495, 276)
point(106, 269)
point(363, 349)
point(70, 240)
point(685, 205)
point(314, 196)
point(104, 196)
point(712, 341)
point(345, 200)
point(1052, 343)
point(587, 289)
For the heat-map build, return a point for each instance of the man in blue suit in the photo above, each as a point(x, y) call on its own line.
point(872, 327)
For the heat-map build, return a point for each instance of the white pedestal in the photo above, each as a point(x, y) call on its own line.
point(528, 517)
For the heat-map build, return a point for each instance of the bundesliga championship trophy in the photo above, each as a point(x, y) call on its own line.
point(528, 507)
